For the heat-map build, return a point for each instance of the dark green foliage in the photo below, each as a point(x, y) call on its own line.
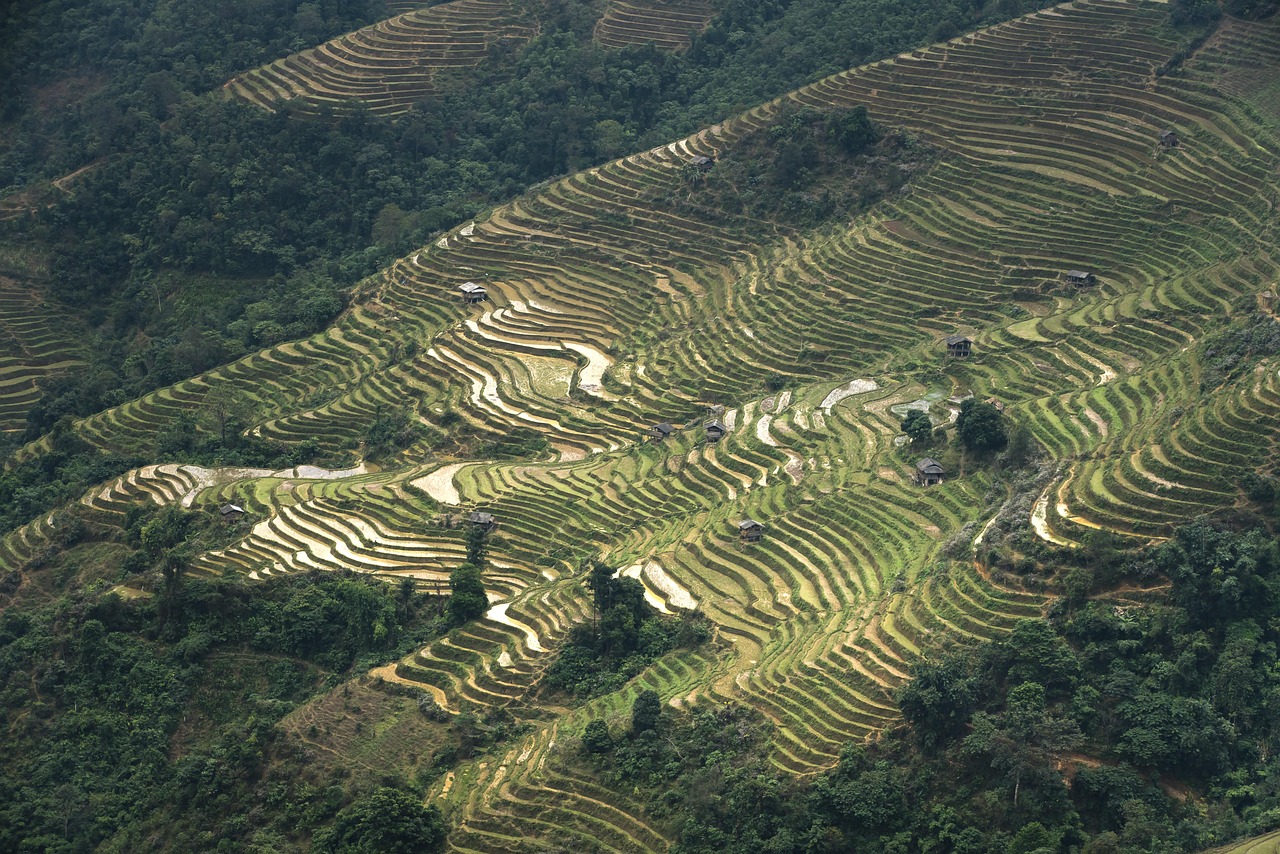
point(1259, 488)
point(1237, 348)
point(94, 692)
point(477, 540)
point(467, 599)
point(385, 821)
point(918, 427)
point(625, 636)
point(853, 130)
point(707, 773)
point(37, 485)
point(390, 431)
point(938, 700)
point(1219, 575)
point(807, 167)
point(860, 796)
point(596, 738)
point(980, 427)
point(1252, 9)
point(1194, 12)
point(645, 712)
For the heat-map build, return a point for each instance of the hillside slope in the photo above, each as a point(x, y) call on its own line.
point(621, 297)
point(391, 65)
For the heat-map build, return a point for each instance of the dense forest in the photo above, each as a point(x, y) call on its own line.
point(137, 724)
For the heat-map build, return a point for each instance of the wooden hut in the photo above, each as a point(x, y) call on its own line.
point(1081, 278)
point(230, 512)
point(928, 472)
point(750, 531)
point(716, 430)
point(959, 346)
point(703, 163)
point(1168, 139)
point(472, 293)
point(658, 432)
point(482, 520)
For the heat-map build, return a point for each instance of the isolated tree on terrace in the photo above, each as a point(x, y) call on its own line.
point(854, 131)
point(918, 426)
point(477, 539)
point(468, 599)
point(646, 711)
point(980, 427)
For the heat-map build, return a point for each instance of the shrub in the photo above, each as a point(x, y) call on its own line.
point(980, 427)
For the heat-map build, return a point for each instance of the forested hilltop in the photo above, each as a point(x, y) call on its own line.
point(498, 426)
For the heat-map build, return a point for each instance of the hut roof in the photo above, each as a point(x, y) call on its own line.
point(1078, 274)
point(664, 428)
point(471, 288)
point(748, 524)
point(717, 424)
point(958, 339)
point(929, 466)
point(227, 509)
point(480, 518)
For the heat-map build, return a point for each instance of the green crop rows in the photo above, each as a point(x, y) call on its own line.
point(617, 301)
point(388, 66)
point(667, 25)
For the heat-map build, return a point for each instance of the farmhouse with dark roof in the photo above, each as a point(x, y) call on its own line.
point(958, 346)
point(661, 431)
point(928, 472)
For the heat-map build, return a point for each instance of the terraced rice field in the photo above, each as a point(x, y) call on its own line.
point(389, 66)
point(667, 24)
point(1268, 844)
point(604, 318)
point(36, 341)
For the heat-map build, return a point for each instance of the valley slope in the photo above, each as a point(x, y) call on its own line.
point(620, 298)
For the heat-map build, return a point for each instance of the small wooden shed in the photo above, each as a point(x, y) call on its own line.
point(928, 472)
point(1081, 278)
point(661, 431)
point(750, 531)
point(482, 520)
point(959, 346)
point(1168, 138)
point(230, 512)
point(472, 293)
point(716, 430)
point(703, 163)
